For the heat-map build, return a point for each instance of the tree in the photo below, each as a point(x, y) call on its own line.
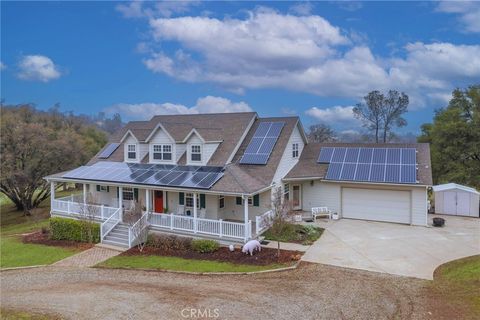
point(138, 224)
point(321, 133)
point(381, 114)
point(88, 213)
point(277, 221)
point(454, 138)
point(37, 143)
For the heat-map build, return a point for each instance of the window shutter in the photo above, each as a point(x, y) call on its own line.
point(239, 201)
point(118, 192)
point(135, 194)
point(98, 188)
point(202, 200)
point(256, 200)
point(181, 198)
point(108, 189)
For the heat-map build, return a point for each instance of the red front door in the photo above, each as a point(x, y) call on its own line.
point(159, 201)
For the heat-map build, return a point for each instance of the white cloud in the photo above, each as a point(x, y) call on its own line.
point(2, 66)
point(302, 9)
point(37, 68)
point(468, 12)
point(350, 5)
point(333, 115)
point(208, 104)
point(138, 9)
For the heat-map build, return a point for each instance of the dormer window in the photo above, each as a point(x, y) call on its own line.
point(162, 152)
point(131, 151)
point(196, 153)
point(295, 150)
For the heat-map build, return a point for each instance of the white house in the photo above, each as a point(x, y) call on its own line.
point(213, 175)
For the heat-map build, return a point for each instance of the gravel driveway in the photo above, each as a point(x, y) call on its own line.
point(312, 291)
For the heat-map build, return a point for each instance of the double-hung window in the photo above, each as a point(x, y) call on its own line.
point(221, 202)
point(189, 200)
point(295, 150)
point(128, 194)
point(162, 152)
point(132, 151)
point(286, 192)
point(196, 152)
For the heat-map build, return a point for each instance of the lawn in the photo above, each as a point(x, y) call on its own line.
point(8, 314)
point(297, 233)
point(180, 264)
point(14, 253)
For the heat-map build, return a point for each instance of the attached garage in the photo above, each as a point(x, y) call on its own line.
point(376, 204)
point(457, 200)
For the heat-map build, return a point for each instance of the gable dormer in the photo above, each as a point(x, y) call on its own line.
point(161, 146)
point(198, 150)
point(131, 148)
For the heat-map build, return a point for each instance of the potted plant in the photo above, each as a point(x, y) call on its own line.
point(438, 222)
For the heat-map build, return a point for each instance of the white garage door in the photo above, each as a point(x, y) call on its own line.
point(377, 205)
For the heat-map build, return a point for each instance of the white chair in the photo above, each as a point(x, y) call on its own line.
point(180, 210)
point(203, 213)
point(321, 212)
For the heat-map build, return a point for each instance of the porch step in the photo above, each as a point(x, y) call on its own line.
point(115, 244)
point(118, 236)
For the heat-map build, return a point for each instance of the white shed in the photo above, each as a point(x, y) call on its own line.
point(455, 199)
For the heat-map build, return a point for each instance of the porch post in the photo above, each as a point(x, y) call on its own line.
point(147, 200)
point(195, 212)
point(52, 194)
point(84, 193)
point(245, 217)
point(120, 202)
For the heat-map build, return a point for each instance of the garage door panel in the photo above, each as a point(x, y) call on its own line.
point(377, 205)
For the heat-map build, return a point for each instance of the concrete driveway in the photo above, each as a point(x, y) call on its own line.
point(395, 248)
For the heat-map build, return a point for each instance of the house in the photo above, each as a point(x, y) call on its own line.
point(213, 175)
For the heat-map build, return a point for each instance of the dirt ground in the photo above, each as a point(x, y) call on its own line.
point(44, 238)
point(312, 291)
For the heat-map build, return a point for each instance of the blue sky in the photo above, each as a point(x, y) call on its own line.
point(313, 59)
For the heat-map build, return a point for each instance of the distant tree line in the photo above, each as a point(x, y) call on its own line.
point(36, 143)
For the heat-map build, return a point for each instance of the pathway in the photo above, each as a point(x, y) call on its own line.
point(88, 258)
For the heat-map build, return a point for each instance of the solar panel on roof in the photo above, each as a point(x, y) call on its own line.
point(393, 165)
point(202, 177)
point(262, 143)
point(107, 152)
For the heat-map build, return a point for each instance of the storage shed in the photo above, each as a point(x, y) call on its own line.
point(455, 199)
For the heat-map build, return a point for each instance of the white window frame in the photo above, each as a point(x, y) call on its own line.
point(189, 198)
point(286, 192)
point(103, 188)
point(250, 201)
point(127, 193)
point(192, 152)
point(221, 202)
point(129, 151)
point(295, 150)
point(162, 152)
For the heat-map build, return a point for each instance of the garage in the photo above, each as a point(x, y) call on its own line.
point(457, 200)
point(376, 204)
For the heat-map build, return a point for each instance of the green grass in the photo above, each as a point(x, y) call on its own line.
point(296, 233)
point(458, 283)
point(8, 314)
point(180, 264)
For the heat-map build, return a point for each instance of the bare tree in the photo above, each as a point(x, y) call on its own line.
point(321, 133)
point(370, 113)
point(278, 220)
point(395, 105)
point(138, 224)
point(88, 212)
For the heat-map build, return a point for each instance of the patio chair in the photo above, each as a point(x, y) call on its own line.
point(321, 212)
point(180, 210)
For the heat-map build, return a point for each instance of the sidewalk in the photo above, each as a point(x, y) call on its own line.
point(88, 258)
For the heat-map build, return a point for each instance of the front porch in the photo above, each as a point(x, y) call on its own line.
point(192, 214)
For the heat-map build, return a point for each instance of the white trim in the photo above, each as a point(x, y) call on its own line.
point(190, 153)
point(126, 152)
point(452, 186)
point(155, 130)
point(190, 133)
point(172, 151)
point(240, 141)
point(126, 134)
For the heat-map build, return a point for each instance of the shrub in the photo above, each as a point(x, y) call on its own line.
point(168, 243)
point(205, 246)
point(74, 230)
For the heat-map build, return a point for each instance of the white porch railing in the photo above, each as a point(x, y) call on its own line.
point(262, 222)
point(110, 223)
point(138, 231)
point(78, 209)
point(212, 227)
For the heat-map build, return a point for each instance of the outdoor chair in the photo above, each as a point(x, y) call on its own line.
point(321, 212)
point(180, 210)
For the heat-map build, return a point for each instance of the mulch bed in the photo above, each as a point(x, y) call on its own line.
point(265, 257)
point(44, 238)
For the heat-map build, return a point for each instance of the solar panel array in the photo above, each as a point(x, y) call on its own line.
point(261, 145)
point(200, 177)
point(107, 152)
point(395, 165)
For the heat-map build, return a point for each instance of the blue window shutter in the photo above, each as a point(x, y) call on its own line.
point(239, 201)
point(256, 200)
point(202, 200)
point(98, 187)
point(135, 194)
point(181, 198)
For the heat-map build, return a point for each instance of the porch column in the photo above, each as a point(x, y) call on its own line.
point(147, 199)
point(195, 212)
point(120, 202)
point(84, 193)
point(52, 194)
point(245, 216)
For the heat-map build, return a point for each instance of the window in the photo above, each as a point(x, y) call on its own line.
point(221, 202)
point(189, 200)
point(196, 153)
point(103, 188)
point(295, 150)
point(162, 152)
point(128, 194)
point(250, 201)
point(286, 192)
point(131, 151)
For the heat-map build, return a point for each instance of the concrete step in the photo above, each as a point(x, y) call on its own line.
point(115, 243)
point(116, 239)
point(109, 246)
point(118, 235)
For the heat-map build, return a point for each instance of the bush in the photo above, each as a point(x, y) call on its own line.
point(205, 246)
point(74, 230)
point(168, 243)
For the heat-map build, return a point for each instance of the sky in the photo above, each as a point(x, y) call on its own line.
point(311, 59)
